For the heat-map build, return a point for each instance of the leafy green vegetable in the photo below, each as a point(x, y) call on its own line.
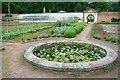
point(70, 52)
point(20, 31)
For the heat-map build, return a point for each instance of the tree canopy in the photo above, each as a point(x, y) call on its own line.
point(37, 7)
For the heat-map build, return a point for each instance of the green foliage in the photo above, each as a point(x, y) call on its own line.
point(80, 24)
point(90, 20)
point(110, 38)
point(60, 30)
point(37, 7)
point(70, 52)
point(113, 39)
point(70, 33)
point(77, 29)
point(66, 22)
point(44, 36)
point(20, 31)
point(108, 23)
point(115, 20)
point(34, 36)
point(106, 37)
point(97, 37)
point(28, 39)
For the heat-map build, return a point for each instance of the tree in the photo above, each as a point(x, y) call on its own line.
point(37, 7)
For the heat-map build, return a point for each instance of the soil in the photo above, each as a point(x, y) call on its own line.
point(110, 29)
point(13, 25)
point(15, 66)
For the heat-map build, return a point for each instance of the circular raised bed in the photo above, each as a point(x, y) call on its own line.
point(109, 57)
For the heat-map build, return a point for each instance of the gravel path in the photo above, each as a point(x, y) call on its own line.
point(15, 66)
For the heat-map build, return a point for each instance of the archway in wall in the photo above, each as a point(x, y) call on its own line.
point(90, 18)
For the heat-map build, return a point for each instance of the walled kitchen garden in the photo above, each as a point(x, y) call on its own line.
point(34, 31)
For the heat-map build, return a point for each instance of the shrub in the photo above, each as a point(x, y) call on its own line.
point(60, 30)
point(45, 36)
point(78, 29)
point(106, 38)
point(90, 20)
point(40, 36)
point(70, 33)
point(35, 37)
point(115, 20)
point(97, 37)
point(81, 24)
point(28, 39)
point(113, 39)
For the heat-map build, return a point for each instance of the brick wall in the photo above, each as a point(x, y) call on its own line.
point(13, 15)
point(107, 16)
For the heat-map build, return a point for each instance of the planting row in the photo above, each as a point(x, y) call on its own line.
point(71, 30)
point(99, 33)
point(63, 31)
point(20, 31)
point(107, 38)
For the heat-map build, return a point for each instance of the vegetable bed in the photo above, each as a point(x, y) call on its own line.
point(6, 35)
point(69, 52)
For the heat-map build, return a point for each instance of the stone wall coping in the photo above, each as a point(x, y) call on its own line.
point(81, 66)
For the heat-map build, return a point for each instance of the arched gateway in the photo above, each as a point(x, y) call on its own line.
point(90, 16)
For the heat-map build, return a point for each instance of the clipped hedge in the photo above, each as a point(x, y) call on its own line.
point(80, 24)
point(78, 29)
point(108, 23)
point(70, 33)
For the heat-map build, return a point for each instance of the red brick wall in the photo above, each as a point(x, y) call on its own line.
point(107, 16)
point(13, 15)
